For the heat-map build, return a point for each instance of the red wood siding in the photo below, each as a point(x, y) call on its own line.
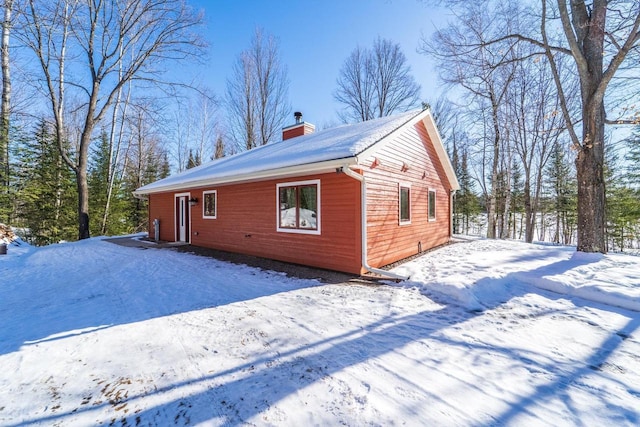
point(247, 221)
point(410, 159)
point(162, 207)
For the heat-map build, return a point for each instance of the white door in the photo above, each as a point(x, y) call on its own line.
point(182, 218)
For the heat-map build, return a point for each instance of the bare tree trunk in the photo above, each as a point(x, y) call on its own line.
point(81, 172)
point(114, 154)
point(529, 218)
point(504, 226)
point(493, 195)
point(591, 186)
point(6, 99)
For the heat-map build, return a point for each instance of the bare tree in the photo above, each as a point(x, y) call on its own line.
point(602, 39)
point(5, 109)
point(257, 93)
point(355, 87)
point(486, 82)
point(591, 38)
point(536, 125)
point(376, 82)
point(114, 42)
point(196, 127)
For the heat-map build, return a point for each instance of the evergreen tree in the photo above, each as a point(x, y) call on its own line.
point(8, 193)
point(633, 158)
point(98, 182)
point(219, 153)
point(47, 192)
point(193, 160)
point(517, 200)
point(99, 175)
point(623, 204)
point(143, 169)
point(561, 181)
point(466, 202)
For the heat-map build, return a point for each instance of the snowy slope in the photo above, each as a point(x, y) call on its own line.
point(98, 334)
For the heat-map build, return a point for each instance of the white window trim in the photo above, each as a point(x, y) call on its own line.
point(318, 198)
point(402, 185)
point(435, 205)
point(215, 201)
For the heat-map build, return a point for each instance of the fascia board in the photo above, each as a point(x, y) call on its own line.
point(432, 130)
point(298, 170)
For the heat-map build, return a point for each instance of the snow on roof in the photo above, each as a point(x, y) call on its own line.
point(342, 142)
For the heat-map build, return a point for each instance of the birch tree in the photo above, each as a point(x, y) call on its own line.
point(113, 42)
point(5, 107)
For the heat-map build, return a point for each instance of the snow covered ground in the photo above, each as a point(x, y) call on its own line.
point(484, 333)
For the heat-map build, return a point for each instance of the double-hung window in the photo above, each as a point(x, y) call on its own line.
point(299, 207)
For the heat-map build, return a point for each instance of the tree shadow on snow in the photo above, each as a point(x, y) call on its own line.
point(46, 304)
point(237, 395)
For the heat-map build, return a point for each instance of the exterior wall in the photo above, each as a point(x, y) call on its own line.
point(162, 207)
point(247, 220)
point(411, 159)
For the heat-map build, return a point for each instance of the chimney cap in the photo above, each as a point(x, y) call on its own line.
point(298, 117)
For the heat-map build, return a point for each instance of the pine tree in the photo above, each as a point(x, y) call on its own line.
point(98, 182)
point(561, 181)
point(219, 153)
point(8, 193)
point(633, 158)
point(98, 179)
point(623, 203)
point(193, 160)
point(517, 199)
point(466, 201)
point(142, 169)
point(47, 192)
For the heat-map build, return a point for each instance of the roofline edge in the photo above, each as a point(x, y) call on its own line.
point(297, 170)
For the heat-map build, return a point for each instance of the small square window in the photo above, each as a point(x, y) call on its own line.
point(209, 204)
point(432, 205)
point(405, 204)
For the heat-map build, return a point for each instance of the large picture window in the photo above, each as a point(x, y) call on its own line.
point(209, 204)
point(299, 207)
point(405, 204)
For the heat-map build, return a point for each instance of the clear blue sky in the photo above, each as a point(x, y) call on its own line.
point(315, 37)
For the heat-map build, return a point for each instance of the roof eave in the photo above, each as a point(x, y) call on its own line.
point(432, 130)
point(290, 171)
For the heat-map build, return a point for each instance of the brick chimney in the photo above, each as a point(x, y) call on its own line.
point(298, 129)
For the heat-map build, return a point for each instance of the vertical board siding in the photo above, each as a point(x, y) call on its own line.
point(388, 241)
point(247, 220)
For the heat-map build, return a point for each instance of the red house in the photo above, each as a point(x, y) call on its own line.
point(352, 199)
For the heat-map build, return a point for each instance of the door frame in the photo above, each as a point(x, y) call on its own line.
point(178, 212)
